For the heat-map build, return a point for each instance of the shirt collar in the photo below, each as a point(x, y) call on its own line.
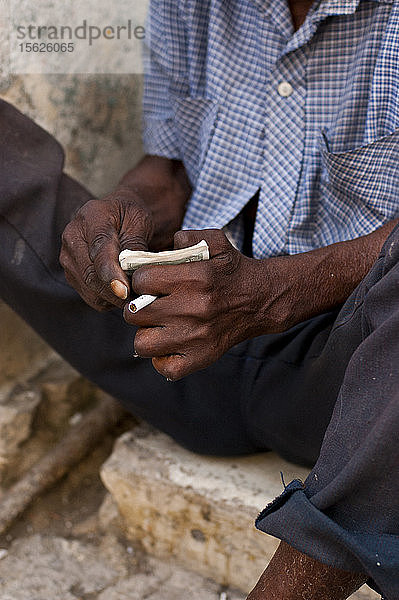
point(320, 11)
point(329, 7)
point(342, 7)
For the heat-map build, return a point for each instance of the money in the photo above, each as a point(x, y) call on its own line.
point(131, 260)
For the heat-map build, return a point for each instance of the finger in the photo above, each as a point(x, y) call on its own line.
point(149, 316)
point(167, 310)
point(172, 367)
point(87, 295)
point(215, 239)
point(81, 275)
point(177, 366)
point(163, 280)
point(159, 341)
point(136, 227)
point(126, 224)
point(103, 250)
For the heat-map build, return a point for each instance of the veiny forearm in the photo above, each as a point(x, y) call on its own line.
point(304, 285)
point(292, 575)
point(165, 188)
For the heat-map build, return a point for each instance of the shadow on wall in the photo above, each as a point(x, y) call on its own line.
point(97, 119)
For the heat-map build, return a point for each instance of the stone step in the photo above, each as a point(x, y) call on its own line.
point(197, 510)
point(57, 568)
point(40, 397)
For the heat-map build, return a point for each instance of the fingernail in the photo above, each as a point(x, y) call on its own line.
point(119, 289)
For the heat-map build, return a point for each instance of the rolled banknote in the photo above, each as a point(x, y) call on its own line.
point(131, 260)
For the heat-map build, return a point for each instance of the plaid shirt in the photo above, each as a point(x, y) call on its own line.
point(310, 118)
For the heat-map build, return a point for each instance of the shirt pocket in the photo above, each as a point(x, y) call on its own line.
point(362, 184)
point(195, 120)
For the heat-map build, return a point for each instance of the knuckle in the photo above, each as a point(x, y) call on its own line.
point(68, 235)
point(98, 242)
point(141, 343)
point(181, 237)
point(205, 307)
point(88, 208)
point(174, 368)
point(89, 275)
point(134, 242)
point(124, 196)
point(63, 258)
point(205, 333)
point(229, 261)
point(206, 279)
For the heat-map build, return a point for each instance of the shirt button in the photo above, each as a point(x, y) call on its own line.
point(285, 89)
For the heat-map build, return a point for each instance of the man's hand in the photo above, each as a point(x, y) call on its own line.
point(204, 308)
point(146, 209)
point(92, 241)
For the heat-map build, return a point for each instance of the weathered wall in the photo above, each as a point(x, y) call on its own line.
point(97, 119)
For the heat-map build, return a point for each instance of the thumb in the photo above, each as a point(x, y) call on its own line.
point(133, 233)
point(104, 253)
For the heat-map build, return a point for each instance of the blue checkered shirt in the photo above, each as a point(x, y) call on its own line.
point(309, 118)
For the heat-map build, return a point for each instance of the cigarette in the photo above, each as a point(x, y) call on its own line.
point(141, 302)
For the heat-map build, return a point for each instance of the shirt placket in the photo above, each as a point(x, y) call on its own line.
point(283, 151)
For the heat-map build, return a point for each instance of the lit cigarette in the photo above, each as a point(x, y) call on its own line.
point(141, 302)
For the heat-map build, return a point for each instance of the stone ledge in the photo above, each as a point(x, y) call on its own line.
point(194, 509)
point(197, 509)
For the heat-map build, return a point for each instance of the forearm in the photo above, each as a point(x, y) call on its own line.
point(292, 575)
point(165, 188)
point(304, 285)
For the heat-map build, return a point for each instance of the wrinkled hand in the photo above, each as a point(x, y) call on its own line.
point(92, 241)
point(204, 308)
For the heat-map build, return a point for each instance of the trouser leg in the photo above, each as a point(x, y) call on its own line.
point(36, 202)
point(272, 392)
point(347, 513)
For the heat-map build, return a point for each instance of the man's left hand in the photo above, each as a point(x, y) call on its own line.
point(204, 308)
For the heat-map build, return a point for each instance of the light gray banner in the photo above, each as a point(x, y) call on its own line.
point(76, 36)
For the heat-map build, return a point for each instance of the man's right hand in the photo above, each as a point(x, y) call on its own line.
point(92, 241)
point(147, 207)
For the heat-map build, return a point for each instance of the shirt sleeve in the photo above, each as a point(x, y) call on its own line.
point(165, 65)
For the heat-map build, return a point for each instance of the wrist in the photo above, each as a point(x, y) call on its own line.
point(274, 300)
point(157, 180)
point(163, 186)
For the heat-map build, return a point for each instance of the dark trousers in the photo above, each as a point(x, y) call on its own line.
point(333, 378)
